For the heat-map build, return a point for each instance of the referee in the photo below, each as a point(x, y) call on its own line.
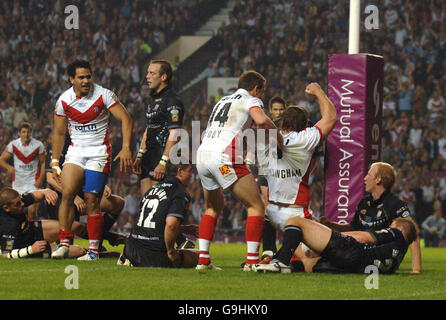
point(164, 115)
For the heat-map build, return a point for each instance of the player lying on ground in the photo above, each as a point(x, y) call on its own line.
point(385, 250)
point(19, 237)
point(111, 205)
point(163, 207)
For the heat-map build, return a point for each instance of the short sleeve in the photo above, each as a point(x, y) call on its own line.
point(9, 147)
point(110, 99)
point(59, 109)
point(175, 114)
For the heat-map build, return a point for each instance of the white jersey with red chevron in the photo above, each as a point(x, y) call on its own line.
point(26, 161)
point(288, 179)
point(229, 118)
point(88, 116)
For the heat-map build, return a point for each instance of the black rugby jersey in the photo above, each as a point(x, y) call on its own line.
point(167, 198)
point(16, 232)
point(387, 252)
point(164, 112)
point(378, 214)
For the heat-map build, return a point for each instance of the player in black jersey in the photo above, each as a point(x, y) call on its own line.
point(379, 208)
point(164, 115)
point(162, 209)
point(384, 249)
point(20, 238)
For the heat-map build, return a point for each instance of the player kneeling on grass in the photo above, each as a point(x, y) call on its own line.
point(19, 237)
point(384, 248)
point(162, 209)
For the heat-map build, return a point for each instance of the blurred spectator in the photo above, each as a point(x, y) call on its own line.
point(432, 229)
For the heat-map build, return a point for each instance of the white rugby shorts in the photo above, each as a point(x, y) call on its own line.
point(97, 158)
point(278, 215)
point(216, 170)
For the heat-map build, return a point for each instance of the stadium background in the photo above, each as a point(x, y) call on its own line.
point(287, 41)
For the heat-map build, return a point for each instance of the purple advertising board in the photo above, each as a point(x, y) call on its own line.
point(355, 86)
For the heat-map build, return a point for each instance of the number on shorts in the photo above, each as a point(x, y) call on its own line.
point(145, 221)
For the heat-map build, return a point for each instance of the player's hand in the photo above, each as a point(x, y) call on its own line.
point(80, 204)
point(38, 246)
point(107, 192)
point(313, 89)
point(11, 171)
point(159, 172)
point(174, 256)
point(125, 159)
point(51, 196)
point(137, 166)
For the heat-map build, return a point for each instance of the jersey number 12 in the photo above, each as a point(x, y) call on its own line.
point(144, 220)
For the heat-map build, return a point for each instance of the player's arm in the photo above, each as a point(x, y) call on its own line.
point(170, 235)
point(340, 227)
point(360, 236)
point(41, 179)
point(36, 247)
point(160, 169)
point(4, 158)
point(60, 126)
point(415, 251)
point(125, 155)
point(328, 111)
point(45, 194)
point(142, 149)
point(264, 122)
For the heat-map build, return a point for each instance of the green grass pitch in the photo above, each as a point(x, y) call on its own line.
point(43, 279)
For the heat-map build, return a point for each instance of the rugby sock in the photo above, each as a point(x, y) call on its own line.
point(269, 237)
point(65, 237)
point(254, 233)
point(95, 225)
point(292, 237)
point(205, 235)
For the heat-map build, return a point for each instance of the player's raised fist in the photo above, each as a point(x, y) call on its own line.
point(313, 89)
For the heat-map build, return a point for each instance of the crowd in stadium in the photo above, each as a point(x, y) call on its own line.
point(287, 41)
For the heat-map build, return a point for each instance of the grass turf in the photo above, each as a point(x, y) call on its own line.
point(43, 279)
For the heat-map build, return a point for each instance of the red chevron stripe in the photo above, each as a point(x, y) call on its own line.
point(23, 158)
point(87, 116)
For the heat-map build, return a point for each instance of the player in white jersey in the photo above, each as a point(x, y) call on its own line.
point(26, 174)
point(288, 179)
point(220, 164)
point(86, 106)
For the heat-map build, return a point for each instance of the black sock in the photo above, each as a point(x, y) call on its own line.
point(292, 237)
point(269, 237)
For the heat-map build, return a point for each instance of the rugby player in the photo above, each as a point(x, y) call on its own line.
point(164, 115)
point(19, 237)
point(86, 106)
point(162, 209)
point(26, 174)
point(220, 165)
point(379, 208)
point(383, 248)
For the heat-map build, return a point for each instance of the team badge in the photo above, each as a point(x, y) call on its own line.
point(363, 211)
point(224, 170)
